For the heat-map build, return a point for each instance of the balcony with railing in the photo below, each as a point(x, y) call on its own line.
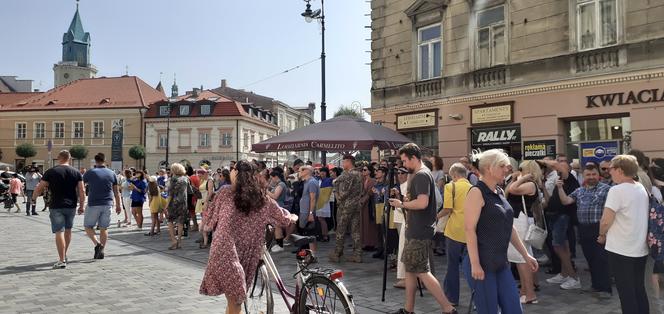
point(428, 88)
point(598, 59)
point(494, 76)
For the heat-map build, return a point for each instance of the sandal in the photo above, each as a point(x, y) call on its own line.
point(173, 247)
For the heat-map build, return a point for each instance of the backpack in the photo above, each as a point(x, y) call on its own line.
point(656, 229)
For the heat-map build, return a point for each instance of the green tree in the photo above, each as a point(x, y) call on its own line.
point(349, 111)
point(78, 152)
point(26, 150)
point(137, 153)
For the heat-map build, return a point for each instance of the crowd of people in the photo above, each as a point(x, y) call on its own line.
point(477, 214)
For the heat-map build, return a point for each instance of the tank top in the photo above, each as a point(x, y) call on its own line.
point(494, 228)
point(517, 204)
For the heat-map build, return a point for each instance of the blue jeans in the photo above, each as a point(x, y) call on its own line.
point(496, 291)
point(455, 251)
point(28, 204)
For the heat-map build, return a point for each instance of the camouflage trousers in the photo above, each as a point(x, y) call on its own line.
point(348, 218)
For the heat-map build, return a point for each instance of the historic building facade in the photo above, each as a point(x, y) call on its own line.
point(103, 114)
point(583, 77)
point(287, 118)
point(205, 127)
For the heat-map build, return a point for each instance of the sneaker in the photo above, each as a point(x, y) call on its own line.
point(558, 279)
point(571, 283)
point(59, 265)
point(276, 249)
point(97, 250)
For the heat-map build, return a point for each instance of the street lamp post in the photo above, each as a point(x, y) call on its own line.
point(309, 16)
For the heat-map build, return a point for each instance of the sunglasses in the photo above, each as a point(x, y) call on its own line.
point(605, 168)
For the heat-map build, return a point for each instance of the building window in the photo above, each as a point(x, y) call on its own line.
point(246, 140)
point(163, 140)
point(226, 139)
point(21, 130)
point(206, 110)
point(204, 140)
point(491, 37)
point(184, 110)
point(39, 130)
point(597, 23)
point(429, 53)
point(58, 130)
point(98, 129)
point(163, 110)
point(78, 130)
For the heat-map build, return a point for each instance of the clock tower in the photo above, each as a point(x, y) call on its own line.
point(75, 62)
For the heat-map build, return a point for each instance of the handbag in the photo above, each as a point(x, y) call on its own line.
point(442, 221)
point(536, 235)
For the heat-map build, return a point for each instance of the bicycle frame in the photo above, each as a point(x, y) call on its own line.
point(274, 276)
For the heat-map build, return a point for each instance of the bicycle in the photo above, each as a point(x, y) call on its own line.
point(316, 290)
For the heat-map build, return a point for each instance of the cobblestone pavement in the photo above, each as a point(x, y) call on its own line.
point(139, 274)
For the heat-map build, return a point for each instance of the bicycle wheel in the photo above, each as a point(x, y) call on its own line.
point(321, 295)
point(259, 297)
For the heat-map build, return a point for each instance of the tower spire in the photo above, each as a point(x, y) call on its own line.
point(174, 88)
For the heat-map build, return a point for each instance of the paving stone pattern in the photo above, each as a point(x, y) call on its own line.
point(140, 275)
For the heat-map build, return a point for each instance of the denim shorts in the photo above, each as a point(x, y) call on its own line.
point(97, 216)
point(62, 218)
point(559, 230)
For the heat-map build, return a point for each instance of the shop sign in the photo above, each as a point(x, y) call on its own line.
point(492, 113)
point(416, 120)
point(539, 149)
point(598, 151)
point(641, 97)
point(495, 136)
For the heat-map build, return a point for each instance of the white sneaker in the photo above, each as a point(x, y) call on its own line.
point(276, 249)
point(571, 283)
point(60, 265)
point(558, 279)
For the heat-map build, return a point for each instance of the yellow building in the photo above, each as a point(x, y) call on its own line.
point(88, 112)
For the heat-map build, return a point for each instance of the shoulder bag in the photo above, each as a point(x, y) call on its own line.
point(536, 235)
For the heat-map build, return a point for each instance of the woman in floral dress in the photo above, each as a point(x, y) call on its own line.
point(238, 216)
point(178, 209)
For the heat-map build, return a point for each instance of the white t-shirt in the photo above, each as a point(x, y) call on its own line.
point(627, 234)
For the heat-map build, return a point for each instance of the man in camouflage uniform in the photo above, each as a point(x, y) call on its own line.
point(349, 189)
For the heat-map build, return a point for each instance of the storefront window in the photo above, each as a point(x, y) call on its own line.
point(425, 139)
point(606, 129)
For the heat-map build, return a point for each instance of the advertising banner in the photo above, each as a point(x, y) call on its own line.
point(539, 149)
point(599, 151)
point(116, 140)
point(496, 136)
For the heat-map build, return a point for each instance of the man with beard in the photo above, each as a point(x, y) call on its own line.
point(590, 201)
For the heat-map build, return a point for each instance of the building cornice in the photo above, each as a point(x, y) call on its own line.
point(525, 90)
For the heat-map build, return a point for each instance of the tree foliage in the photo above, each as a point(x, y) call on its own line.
point(349, 111)
point(26, 150)
point(78, 152)
point(137, 152)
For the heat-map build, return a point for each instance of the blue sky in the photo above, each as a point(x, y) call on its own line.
point(202, 41)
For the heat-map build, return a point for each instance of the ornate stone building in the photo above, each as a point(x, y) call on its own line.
point(534, 77)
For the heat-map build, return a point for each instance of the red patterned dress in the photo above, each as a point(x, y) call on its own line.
point(237, 244)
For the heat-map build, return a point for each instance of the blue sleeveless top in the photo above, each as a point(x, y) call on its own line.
point(494, 229)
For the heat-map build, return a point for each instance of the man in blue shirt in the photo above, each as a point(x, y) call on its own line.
point(103, 191)
point(590, 201)
point(310, 192)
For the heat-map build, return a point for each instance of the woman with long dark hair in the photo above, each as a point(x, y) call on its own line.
point(238, 216)
point(138, 186)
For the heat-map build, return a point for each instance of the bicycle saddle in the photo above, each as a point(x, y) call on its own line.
point(302, 240)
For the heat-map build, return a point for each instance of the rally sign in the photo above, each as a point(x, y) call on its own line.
point(495, 136)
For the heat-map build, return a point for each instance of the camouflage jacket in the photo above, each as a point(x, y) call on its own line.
point(349, 189)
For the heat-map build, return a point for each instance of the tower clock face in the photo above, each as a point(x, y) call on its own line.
point(66, 75)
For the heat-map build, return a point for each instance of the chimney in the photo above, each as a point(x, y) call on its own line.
point(312, 106)
point(223, 83)
point(195, 92)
